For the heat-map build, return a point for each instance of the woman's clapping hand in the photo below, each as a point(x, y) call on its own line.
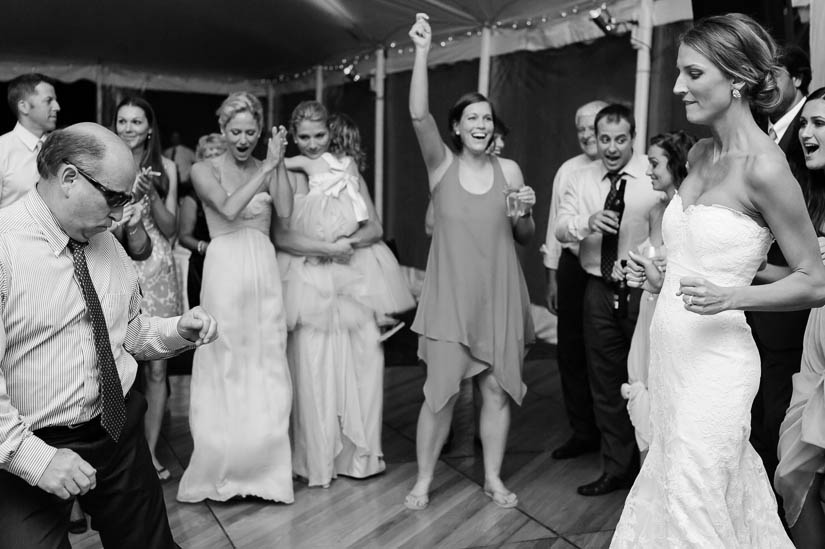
point(132, 214)
point(144, 182)
point(276, 146)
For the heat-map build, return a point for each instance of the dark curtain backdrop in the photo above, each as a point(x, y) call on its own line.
point(666, 111)
point(537, 94)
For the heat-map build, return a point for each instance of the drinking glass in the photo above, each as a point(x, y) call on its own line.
point(515, 207)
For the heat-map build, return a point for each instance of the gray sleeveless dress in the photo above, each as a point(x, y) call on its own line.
point(474, 312)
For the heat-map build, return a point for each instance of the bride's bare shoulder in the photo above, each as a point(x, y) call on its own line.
point(766, 166)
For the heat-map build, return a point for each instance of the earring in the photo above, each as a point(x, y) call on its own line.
point(736, 94)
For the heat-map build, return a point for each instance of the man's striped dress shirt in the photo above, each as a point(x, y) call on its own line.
point(47, 352)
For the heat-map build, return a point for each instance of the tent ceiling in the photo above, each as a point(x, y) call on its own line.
point(237, 38)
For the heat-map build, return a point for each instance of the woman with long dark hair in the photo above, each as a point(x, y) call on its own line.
point(667, 159)
point(799, 476)
point(156, 195)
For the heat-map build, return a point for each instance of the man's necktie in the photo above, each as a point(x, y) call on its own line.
point(610, 242)
point(113, 415)
point(772, 133)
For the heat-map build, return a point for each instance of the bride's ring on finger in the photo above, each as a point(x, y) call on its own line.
point(690, 300)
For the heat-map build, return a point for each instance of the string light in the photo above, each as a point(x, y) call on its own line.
point(348, 64)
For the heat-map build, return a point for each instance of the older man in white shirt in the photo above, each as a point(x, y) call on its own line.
point(587, 215)
point(565, 295)
point(33, 100)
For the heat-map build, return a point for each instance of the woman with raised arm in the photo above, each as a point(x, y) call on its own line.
point(473, 318)
point(702, 483)
point(241, 392)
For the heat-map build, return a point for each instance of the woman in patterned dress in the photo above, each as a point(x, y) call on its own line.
point(156, 194)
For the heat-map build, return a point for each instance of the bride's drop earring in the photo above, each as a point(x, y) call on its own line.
point(736, 94)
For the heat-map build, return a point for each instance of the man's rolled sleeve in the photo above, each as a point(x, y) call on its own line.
point(572, 225)
point(551, 251)
point(154, 338)
point(150, 337)
point(169, 335)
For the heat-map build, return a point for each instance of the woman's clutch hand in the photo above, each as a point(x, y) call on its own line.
point(644, 272)
point(619, 273)
point(341, 250)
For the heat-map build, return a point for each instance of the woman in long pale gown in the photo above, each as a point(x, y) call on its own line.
point(334, 352)
point(799, 476)
point(702, 485)
point(241, 393)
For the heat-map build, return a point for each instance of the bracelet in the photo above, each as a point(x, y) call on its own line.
point(528, 213)
point(133, 230)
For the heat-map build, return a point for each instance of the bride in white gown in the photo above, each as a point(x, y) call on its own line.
point(702, 484)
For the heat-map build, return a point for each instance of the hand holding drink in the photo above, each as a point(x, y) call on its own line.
point(519, 201)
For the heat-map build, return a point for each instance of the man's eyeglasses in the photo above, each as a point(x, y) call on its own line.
point(115, 199)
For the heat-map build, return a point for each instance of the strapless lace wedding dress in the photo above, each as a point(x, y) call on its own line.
point(702, 484)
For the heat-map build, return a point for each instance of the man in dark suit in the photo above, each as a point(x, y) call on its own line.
point(779, 335)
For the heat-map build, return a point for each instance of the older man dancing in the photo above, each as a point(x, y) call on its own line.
point(70, 331)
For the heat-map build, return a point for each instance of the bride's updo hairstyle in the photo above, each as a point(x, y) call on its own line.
point(743, 51)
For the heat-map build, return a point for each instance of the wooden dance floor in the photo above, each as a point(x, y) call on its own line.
point(369, 513)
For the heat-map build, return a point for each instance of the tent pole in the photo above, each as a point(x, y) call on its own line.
point(817, 36)
point(319, 83)
point(270, 103)
point(380, 75)
point(484, 61)
point(642, 40)
point(99, 94)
